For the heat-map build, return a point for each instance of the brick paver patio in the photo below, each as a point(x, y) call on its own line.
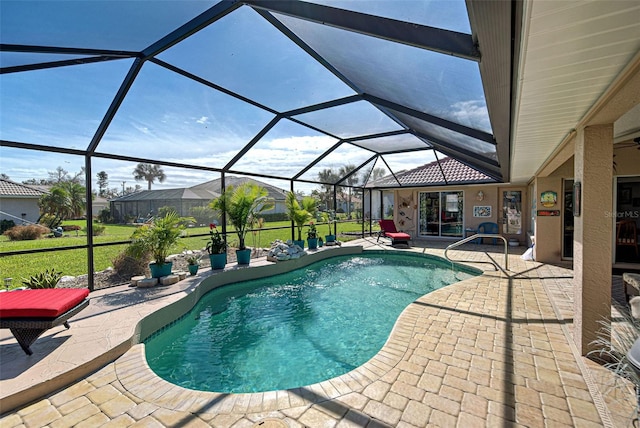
point(494, 350)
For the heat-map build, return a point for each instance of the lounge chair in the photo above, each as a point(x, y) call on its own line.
point(29, 313)
point(388, 230)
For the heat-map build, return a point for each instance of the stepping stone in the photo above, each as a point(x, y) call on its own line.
point(169, 279)
point(147, 282)
point(136, 279)
point(181, 275)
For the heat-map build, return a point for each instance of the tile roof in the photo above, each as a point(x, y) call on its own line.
point(447, 171)
point(11, 188)
point(214, 186)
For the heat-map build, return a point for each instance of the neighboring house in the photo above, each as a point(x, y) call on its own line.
point(143, 204)
point(19, 202)
point(275, 193)
point(98, 204)
point(344, 200)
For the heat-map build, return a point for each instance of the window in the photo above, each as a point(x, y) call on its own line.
point(512, 212)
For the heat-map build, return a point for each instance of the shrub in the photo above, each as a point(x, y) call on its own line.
point(6, 225)
point(202, 215)
point(26, 233)
point(128, 266)
point(46, 279)
point(70, 227)
point(98, 229)
point(274, 217)
point(104, 216)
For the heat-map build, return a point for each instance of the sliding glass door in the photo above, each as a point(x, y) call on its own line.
point(441, 214)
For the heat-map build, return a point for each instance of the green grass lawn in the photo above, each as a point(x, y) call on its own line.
point(74, 262)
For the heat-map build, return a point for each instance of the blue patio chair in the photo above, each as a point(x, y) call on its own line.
point(488, 227)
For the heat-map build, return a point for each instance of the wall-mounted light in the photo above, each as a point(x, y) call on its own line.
point(480, 195)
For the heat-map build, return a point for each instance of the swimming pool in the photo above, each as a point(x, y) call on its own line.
point(297, 328)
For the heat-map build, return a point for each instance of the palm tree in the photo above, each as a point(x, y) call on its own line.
point(241, 205)
point(378, 173)
point(326, 196)
point(351, 181)
point(300, 212)
point(149, 173)
point(55, 203)
point(76, 198)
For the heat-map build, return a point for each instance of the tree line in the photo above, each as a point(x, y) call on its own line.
point(67, 195)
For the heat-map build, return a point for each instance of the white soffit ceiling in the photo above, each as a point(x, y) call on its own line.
point(571, 52)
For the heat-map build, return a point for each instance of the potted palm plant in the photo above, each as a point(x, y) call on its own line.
point(300, 212)
point(157, 239)
point(329, 218)
point(217, 248)
point(241, 205)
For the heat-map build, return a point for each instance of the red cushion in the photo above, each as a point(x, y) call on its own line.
point(41, 303)
point(398, 235)
point(388, 226)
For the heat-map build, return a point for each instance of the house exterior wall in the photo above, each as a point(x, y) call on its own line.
point(12, 208)
point(406, 210)
point(548, 230)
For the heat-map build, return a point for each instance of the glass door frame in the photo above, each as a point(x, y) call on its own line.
point(628, 211)
point(424, 225)
point(567, 218)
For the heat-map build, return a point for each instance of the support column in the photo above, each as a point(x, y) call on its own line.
point(593, 233)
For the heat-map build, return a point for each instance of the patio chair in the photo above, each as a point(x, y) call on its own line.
point(388, 230)
point(488, 227)
point(29, 313)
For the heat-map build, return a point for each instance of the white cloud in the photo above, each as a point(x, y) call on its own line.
point(472, 113)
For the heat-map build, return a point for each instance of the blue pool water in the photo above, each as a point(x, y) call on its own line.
point(294, 329)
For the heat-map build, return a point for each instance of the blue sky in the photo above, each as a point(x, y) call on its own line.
point(169, 117)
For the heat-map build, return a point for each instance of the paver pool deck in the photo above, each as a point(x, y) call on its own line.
point(494, 350)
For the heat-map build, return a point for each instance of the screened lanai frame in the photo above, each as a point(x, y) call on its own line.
point(390, 99)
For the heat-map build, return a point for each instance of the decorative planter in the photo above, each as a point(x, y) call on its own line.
point(218, 261)
point(320, 242)
point(243, 256)
point(299, 243)
point(313, 243)
point(330, 238)
point(158, 271)
point(193, 269)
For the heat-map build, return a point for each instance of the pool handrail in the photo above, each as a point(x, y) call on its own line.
point(481, 235)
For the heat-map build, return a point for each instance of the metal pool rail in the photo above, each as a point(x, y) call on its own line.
point(481, 235)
